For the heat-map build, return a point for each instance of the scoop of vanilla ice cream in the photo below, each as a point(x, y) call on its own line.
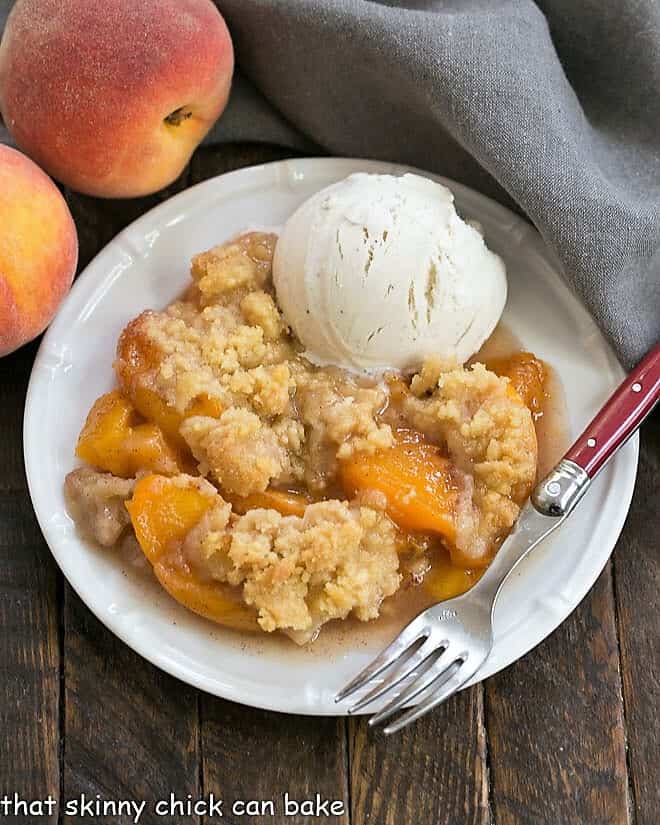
point(379, 271)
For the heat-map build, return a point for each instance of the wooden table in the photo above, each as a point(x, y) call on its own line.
point(566, 736)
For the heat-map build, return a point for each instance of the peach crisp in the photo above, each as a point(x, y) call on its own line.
point(271, 494)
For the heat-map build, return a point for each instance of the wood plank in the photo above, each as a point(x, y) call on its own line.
point(130, 731)
point(30, 656)
point(14, 375)
point(637, 585)
point(555, 725)
point(432, 772)
point(29, 642)
point(252, 754)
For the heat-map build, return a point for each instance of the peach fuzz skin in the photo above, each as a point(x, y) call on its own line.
point(38, 249)
point(88, 90)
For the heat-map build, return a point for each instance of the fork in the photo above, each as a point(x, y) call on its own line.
point(444, 647)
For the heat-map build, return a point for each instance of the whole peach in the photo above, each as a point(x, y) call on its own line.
point(112, 97)
point(38, 249)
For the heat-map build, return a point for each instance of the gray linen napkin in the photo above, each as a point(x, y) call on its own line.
point(554, 105)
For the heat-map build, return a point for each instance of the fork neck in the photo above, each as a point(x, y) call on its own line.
point(551, 502)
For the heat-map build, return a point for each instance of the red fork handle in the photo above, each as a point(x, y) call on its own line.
point(620, 417)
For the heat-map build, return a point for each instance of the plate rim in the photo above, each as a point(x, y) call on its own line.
point(176, 668)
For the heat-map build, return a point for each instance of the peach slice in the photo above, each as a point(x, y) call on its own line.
point(419, 484)
point(113, 440)
point(285, 502)
point(137, 358)
point(205, 598)
point(445, 580)
point(527, 375)
point(163, 511)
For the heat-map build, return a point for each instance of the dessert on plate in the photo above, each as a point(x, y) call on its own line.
point(307, 431)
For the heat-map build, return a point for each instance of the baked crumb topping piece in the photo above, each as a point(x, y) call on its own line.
point(96, 503)
point(299, 573)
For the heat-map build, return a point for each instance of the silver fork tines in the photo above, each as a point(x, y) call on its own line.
point(416, 630)
point(435, 678)
point(427, 659)
point(435, 697)
point(416, 664)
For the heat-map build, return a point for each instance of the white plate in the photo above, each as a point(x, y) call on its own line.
point(146, 266)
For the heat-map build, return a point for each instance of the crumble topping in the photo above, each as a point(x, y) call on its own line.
point(299, 573)
point(96, 503)
point(241, 452)
point(257, 416)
